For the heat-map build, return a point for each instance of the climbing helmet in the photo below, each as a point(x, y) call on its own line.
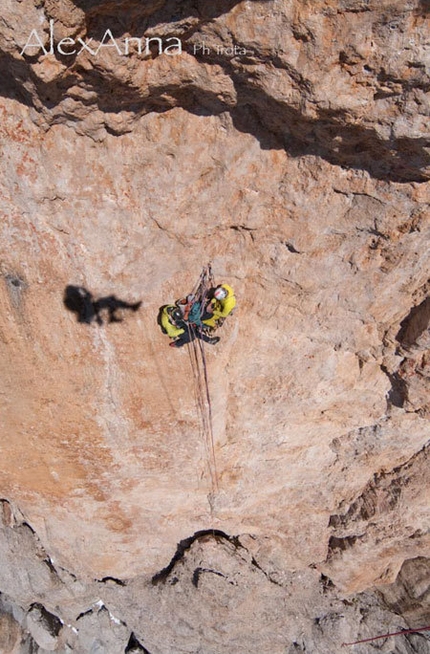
point(177, 314)
point(220, 293)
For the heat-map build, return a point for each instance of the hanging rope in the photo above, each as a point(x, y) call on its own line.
point(201, 391)
point(201, 382)
point(208, 408)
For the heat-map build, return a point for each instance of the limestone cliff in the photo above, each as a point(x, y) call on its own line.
point(285, 141)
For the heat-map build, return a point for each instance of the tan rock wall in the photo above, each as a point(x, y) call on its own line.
point(299, 170)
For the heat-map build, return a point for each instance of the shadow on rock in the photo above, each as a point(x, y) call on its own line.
point(276, 123)
point(87, 309)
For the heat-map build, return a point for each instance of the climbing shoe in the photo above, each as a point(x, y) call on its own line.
point(214, 340)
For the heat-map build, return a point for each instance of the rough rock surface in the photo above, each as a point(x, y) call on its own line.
point(297, 164)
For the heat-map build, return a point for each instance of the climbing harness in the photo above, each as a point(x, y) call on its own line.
point(193, 306)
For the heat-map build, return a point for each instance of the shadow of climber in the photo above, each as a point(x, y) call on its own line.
point(87, 309)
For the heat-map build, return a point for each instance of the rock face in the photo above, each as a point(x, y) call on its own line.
point(287, 143)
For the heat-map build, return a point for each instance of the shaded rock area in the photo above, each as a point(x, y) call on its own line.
point(409, 595)
point(287, 143)
point(370, 520)
point(203, 600)
point(361, 103)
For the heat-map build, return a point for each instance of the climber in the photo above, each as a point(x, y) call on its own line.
point(171, 321)
point(221, 304)
point(173, 324)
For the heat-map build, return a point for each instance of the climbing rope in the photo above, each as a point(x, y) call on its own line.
point(208, 406)
point(201, 382)
point(202, 396)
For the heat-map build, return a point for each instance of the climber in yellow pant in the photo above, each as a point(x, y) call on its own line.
point(219, 307)
point(172, 323)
